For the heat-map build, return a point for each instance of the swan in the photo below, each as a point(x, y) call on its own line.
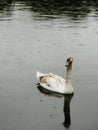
point(56, 83)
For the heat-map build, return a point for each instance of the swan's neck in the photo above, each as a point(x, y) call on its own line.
point(68, 74)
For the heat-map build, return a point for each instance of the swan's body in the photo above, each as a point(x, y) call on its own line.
point(56, 83)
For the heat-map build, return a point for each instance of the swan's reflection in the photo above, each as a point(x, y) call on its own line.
point(66, 108)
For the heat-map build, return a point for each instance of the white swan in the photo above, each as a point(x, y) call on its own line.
point(56, 83)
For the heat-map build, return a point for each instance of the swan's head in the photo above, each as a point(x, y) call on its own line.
point(69, 60)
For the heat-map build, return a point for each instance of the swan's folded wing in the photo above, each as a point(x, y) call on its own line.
point(58, 78)
point(52, 83)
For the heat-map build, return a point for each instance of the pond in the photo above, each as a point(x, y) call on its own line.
point(37, 35)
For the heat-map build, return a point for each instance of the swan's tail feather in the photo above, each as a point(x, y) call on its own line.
point(39, 74)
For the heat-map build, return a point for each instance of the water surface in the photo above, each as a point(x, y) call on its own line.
point(37, 35)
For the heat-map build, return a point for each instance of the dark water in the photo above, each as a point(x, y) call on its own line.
point(37, 35)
